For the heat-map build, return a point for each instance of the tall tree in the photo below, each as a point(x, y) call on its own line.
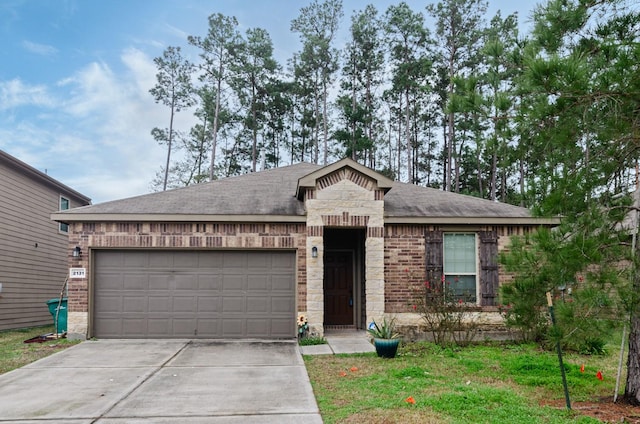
point(252, 75)
point(362, 76)
point(581, 91)
point(318, 25)
point(173, 89)
point(218, 51)
point(458, 32)
point(407, 38)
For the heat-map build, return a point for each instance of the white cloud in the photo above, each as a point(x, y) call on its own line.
point(37, 48)
point(15, 93)
point(97, 140)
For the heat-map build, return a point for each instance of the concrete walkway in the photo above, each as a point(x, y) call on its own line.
point(162, 381)
point(341, 342)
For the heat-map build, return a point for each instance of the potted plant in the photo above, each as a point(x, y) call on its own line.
point(385, 337)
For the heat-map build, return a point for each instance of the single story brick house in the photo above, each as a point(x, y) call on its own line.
point(240, 257)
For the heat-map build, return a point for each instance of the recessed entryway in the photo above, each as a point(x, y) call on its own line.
point(343, 287)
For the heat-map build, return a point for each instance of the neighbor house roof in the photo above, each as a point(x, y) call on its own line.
point(41, 177)
point(272, 196)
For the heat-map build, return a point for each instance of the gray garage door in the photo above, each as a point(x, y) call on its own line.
point(194, 294)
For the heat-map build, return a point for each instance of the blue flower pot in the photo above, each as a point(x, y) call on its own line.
point(386, 348)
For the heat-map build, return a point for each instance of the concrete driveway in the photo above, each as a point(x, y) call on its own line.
point(162, 381)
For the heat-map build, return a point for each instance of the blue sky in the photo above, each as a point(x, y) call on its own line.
point(75, 78)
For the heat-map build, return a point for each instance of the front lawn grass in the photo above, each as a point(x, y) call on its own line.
point(491, 383)
point(14, 353)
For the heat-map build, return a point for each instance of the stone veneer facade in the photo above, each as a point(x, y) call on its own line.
point(345, 199)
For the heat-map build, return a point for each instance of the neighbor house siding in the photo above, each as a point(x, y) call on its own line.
point(33, 252)
point(193, 236)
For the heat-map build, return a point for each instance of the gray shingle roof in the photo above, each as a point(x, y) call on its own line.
point(272, 193)
point(408, 200)
point(269, 192)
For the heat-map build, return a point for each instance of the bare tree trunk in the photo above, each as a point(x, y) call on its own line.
point(214, 128)
point(407, 131)
point(632, 390)
point(494, 171)
point(325, 125)
point(170, 142)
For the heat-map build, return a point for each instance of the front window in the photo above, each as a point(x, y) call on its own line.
point(460, 265)
point(64, 205)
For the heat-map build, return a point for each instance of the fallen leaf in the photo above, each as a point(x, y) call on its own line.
point(410, 400)
point(354, 369)
point(599, 376)
point(582, 368)
point(343, 374)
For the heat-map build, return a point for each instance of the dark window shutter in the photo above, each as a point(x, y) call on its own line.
point(488, 268)
point(433, 250)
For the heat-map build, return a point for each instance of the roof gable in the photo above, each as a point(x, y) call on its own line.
point(344, 169)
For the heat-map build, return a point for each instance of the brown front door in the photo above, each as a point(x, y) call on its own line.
point(338, 288)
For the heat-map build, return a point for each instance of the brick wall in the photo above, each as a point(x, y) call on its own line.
point(204, 235)
point(404, 258)
point(404, 264)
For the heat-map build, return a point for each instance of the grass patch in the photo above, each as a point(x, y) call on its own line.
point(477, 384)
point(312, 341)
point(14, 353)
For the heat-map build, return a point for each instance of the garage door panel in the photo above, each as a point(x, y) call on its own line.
point(133, 326)
point(257, 327)
point(134, 259)
point(232, 327)
point(281, 282)
point(258, 282)
point(208, 327)
point(210, 281)
point(111, 304)
point(187, 294)
point(110, 281)
point(186, 282)
point(208, 304)
point(137, 281)
point(233, 304)
point(158, 327)
point(159, 281)
point(135, 303)
point(232, 283)
point(231, 261)
point(281, 304)
point(258, 304)
point(280, 327)
point(184, 303)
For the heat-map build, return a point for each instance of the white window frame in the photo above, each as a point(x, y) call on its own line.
point(62, 227)
point(476, 256)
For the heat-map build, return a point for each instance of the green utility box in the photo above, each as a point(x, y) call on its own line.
point(62, 313)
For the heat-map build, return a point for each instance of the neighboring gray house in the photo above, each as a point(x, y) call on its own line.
point(242, 256)
point(33, 249)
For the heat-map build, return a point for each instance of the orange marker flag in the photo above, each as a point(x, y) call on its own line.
point(599, 376)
